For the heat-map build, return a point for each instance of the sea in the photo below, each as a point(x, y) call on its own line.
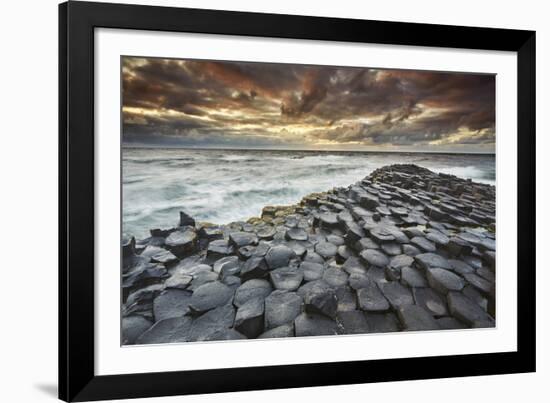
point(221, 186)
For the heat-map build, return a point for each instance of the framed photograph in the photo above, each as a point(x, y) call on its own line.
point(257, 201)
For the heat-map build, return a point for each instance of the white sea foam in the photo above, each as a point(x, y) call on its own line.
point(223, 186)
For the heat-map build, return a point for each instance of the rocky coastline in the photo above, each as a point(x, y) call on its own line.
point(405, 249)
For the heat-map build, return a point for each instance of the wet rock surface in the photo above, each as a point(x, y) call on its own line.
point(404, 249)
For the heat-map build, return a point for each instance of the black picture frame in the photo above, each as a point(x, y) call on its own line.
point(77, 21)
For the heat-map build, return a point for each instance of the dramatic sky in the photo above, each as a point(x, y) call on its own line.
point(187, 103)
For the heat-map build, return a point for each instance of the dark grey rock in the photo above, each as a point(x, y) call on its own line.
point(171, 303)
point(410, 250)
point(374, 257)
point(210, 295)
point(472, 293)
point(423, 244)
point(412, 277)
point(279, 256)
point(281, 307)
point(296, 234)
point(437, 237)
point(359, 280)
point(391, 248)
point(134, 326)
point(443, 280)
point(322, 302)
point(286, 330)
point(449, 323)
point(240, 239)
point(353, 234)
point(328, 220)
point(481, 284)
point(347, 300)
point(250, 318)
point(313, 257)
point(466, 310)
point(366, 243)
point(428, 260)
point(382, 322)
point(202, 278)
point(252, 289)
point(354, 265)
point(182, 243)
point(370, 299)
point(401, 261)
point(381, 234)
point(353, 322)
point(335, 277)
point(326, 249)
point(430, 300)
point(315, 325)
point(206, 326)
point(396, 294)
point(178, 280)
point(286, 278)
point(218, 249)
point(171, 330)
point(224, 334)
point(460, 267)
point(159, 255)
point(312, 271)
point(315, 284)
point(186, 220)
point(255, 267)
point(266, 233)
point(227, 266)
point(414, 317)
point(344, 253)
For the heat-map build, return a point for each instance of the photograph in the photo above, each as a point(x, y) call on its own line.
point(270, 200)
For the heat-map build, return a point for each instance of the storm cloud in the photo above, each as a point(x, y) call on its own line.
point(260, 105)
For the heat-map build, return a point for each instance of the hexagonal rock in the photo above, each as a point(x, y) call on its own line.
point(134, 326)
point(437, 237)
point(347, 300)
point(430, 300)
point(315, 325)
point(365, 243)
point(224, 334)
point(423, 244)
point(428, 260)
point(315, 284)
point(400, 261)
point(281, 307)
point(206, 326)
point(286, 330)
point(412, 277)
point(240, 239)
point(443, 280)
point(353, 322)
point(370, 299)
point(227, 266)
point(286, 278)
point(312, 271)
point(218, 249)
point(251, 289)
point(171, 330)
point(335, 277)
point(359, 280)
point(481, 284)
point(449, 323)
point(279, 256)
point(460, 267)
point(296, 234)
point(178, 280)
point(382, 322)
point(328, 220)
point(255, 267)
point(182, 243)
point(353, 234)
point(410, 250)
point(266, 233)
point(381, 234)
point(250, 318)
point(202, 278)
point(374, 257)
point(354, 265)
point(396, 294)
point(209, 296)
point(326, 249)
point(323, 302)
point(414, 317)
point(391, 248)
point(159, 255)
point(466, 310)
point(171, 303)
point(458, 246)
